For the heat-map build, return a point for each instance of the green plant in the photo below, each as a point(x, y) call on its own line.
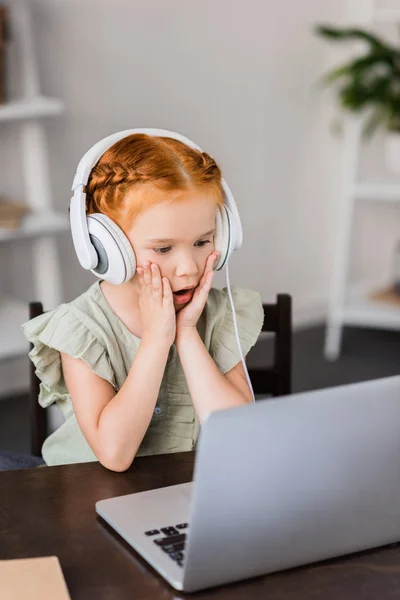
point(370, 81)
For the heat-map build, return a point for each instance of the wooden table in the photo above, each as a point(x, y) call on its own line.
point(51, 511)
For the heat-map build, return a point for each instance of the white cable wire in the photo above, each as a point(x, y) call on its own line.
point(236, 332)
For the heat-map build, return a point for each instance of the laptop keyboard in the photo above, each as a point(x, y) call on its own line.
point(172, 542)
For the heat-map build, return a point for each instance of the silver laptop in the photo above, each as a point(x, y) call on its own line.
point(277, 484)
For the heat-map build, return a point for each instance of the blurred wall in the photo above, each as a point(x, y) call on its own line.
point(234, 76)
point(239, 79)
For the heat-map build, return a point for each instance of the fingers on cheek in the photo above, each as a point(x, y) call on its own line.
point(208, 281)
point(147, 275)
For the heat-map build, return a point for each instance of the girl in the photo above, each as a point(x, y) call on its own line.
point(135, 367)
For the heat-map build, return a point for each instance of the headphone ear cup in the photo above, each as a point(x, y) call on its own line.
point(222, 236)
point(116, 259)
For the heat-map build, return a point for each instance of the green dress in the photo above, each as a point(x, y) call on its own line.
point(88, 328)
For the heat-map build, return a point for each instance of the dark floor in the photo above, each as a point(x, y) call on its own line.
point(366, 354)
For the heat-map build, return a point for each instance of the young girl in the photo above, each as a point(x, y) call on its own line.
point(135, 367)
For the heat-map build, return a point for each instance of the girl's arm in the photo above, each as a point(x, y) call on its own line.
point(209, 388)
point(114, 424)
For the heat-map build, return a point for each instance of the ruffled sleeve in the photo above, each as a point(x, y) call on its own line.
point(57, 331)
point(250, 318)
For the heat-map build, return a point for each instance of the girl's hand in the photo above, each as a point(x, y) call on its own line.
point(156, 304)
point(187, 318)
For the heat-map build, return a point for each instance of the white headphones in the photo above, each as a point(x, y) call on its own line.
point(103, 248)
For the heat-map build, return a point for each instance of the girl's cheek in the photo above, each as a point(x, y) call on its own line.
point(142, 257)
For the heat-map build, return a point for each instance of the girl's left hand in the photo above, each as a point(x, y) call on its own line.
point(187, 318)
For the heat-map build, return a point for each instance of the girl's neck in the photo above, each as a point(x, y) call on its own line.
point(124, 301)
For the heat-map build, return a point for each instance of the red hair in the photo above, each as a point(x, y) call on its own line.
point(138, 160)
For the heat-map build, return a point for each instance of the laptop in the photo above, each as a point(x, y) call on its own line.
point(277, 484)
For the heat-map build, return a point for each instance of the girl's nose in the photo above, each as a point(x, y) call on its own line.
point(186, 266)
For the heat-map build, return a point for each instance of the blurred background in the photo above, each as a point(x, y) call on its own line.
point(320, 210)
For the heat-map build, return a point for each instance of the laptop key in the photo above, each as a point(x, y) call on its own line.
point(170, 540)
point(182, 526)
point(177, 556)
point(168, 550)
point(169, 530)
point(179, 547)
point(173, 548)
point(152, 532)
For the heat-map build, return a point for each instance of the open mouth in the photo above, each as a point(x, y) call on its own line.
point(183, 296)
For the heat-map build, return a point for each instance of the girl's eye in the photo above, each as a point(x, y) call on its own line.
point(166, 249)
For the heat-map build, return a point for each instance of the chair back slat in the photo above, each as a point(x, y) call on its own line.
point(270, 318)
point(276, 379)
point(37, 414)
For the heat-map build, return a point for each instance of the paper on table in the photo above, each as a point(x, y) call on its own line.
point(33, 578)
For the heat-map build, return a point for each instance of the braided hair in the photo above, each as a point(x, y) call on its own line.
point(139, 160)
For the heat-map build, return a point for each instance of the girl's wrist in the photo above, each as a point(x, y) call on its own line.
point(186, 333)
point(156, 342)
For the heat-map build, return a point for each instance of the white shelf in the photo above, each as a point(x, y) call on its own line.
point(379, 191)
point(27, 114)
point(12, 341)
point(30, 108)
point(359, 310)
point(348, 306)
point(36, 224)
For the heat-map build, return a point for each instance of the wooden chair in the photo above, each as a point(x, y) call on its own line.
point(274, 380)
point(37, 414)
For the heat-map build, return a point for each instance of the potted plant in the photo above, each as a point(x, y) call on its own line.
point(370, 83)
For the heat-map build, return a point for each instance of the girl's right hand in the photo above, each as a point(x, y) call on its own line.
point(156, 304)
